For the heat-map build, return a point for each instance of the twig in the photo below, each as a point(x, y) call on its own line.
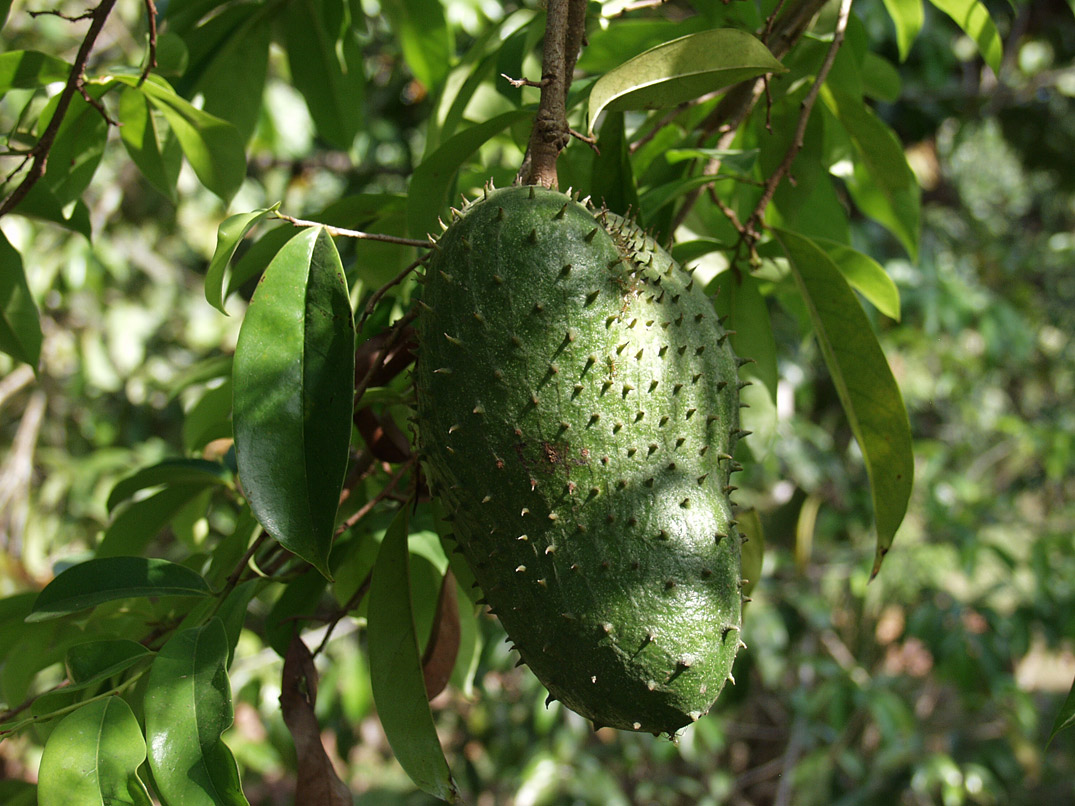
point(382, 494)
point(518, 83)
point(399, 326)
point(14, 381)
point(804, 118)
point(353, 602)
point(380, 292)
point(75, 83)
point(151, 57)
point(353, 233)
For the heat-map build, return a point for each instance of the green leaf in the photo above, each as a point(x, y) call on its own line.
point(228, 236)
point(1065, 718)
point(42, 203)
point(139, 523)
point(973, 17)
point(213, 147)
point(907, 16)
point(101, 580)
point(92, 757)
point(864, 383)
point(96, 660)
point(396, 669)
point(883, 185)
point(150, 144)
point(188, 706)
point(327, 68)
point(209, 418)
point(738, 297)
point(612, 181)
point(432, 180)
point(865, 275)
point(880, 78)
point(20, 327)
point(172, 472)
point(753, 547)
point(733, 161)
point(77, 149)
point(30, 69)
point(293, 379)
point(681, 70)
point(423, 34)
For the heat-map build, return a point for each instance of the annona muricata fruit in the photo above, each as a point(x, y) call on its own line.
point(577, 411)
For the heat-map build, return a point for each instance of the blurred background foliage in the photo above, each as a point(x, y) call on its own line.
point(936, 683)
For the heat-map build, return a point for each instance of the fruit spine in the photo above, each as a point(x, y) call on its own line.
point(577, 414)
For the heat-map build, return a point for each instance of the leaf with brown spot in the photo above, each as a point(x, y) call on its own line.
point(317, 779)
point(443, 647)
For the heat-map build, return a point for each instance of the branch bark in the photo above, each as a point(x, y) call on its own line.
point(564, 30)
point(75, 83)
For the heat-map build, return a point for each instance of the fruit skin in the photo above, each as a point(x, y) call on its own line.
point(577, 411)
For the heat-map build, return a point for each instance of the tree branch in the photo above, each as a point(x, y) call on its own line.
point(564, 31)
point(75, 83)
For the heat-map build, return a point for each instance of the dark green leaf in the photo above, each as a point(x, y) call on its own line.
point(171, 472)
point(612, 182)
point(96, 581)
point(864, 383)
point(907, 16)
point(880, 78)
point(30, 69)
point(422, 32)
point(753, 548)
point(656, 198)
point(213, 147)
point(139, 523)
point(96, 660)
point(20, 327)
point(149, 142)
point(396, 670)
point(432, 180)
point(93, 756)
point(229, 234)
point(973, 17)
point(42, 203)
point(77, 149)
point(1065, 718)
point(209, 418)
point(293, 379)
point(188, 706)
point(326, 67)
point(733, 161)
point(681, 70)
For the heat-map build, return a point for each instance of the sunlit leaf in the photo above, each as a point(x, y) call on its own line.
point(681, 70)
point(200, 472)
point(293, 380)
point(134, 527)
point(421, 30)
point(908, 17)
point(864, 383)
point(151, 145)
point(94, 660)
point(396, 670)
point(20, 326)
point(78, 148)
point(187, 708)
point(230, 233)
point(92, 757)
point(101, 580)
point(973, 17)
point(865, 275)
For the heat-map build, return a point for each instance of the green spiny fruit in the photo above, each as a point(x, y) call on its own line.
point(577, 411)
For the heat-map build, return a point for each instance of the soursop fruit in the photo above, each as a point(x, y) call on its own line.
point(577, 413)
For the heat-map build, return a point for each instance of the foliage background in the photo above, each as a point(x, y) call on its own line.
point(936, 683)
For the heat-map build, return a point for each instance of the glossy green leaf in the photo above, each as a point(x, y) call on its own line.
point(188, 706)
point(396, 670)
point(1065, 718)
point(432, 180)
point(199, 472)
point(863, 380)
point(213, 147)
point(133, 528)
point(293, 380)
point(326, 67)
point(229, 234)
point(422, 32)
point(907, 16)
point(95, 660)
point(92, 758)
point(101, 580)
point(42, 203)
point(681, 70)
point(612, 182)
point(973, 17)
point(150, 144)
point(30, 69)
point(20, 326)
point(883, 185)
point(77, 150)
point(209, 418)
point(865, 275)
